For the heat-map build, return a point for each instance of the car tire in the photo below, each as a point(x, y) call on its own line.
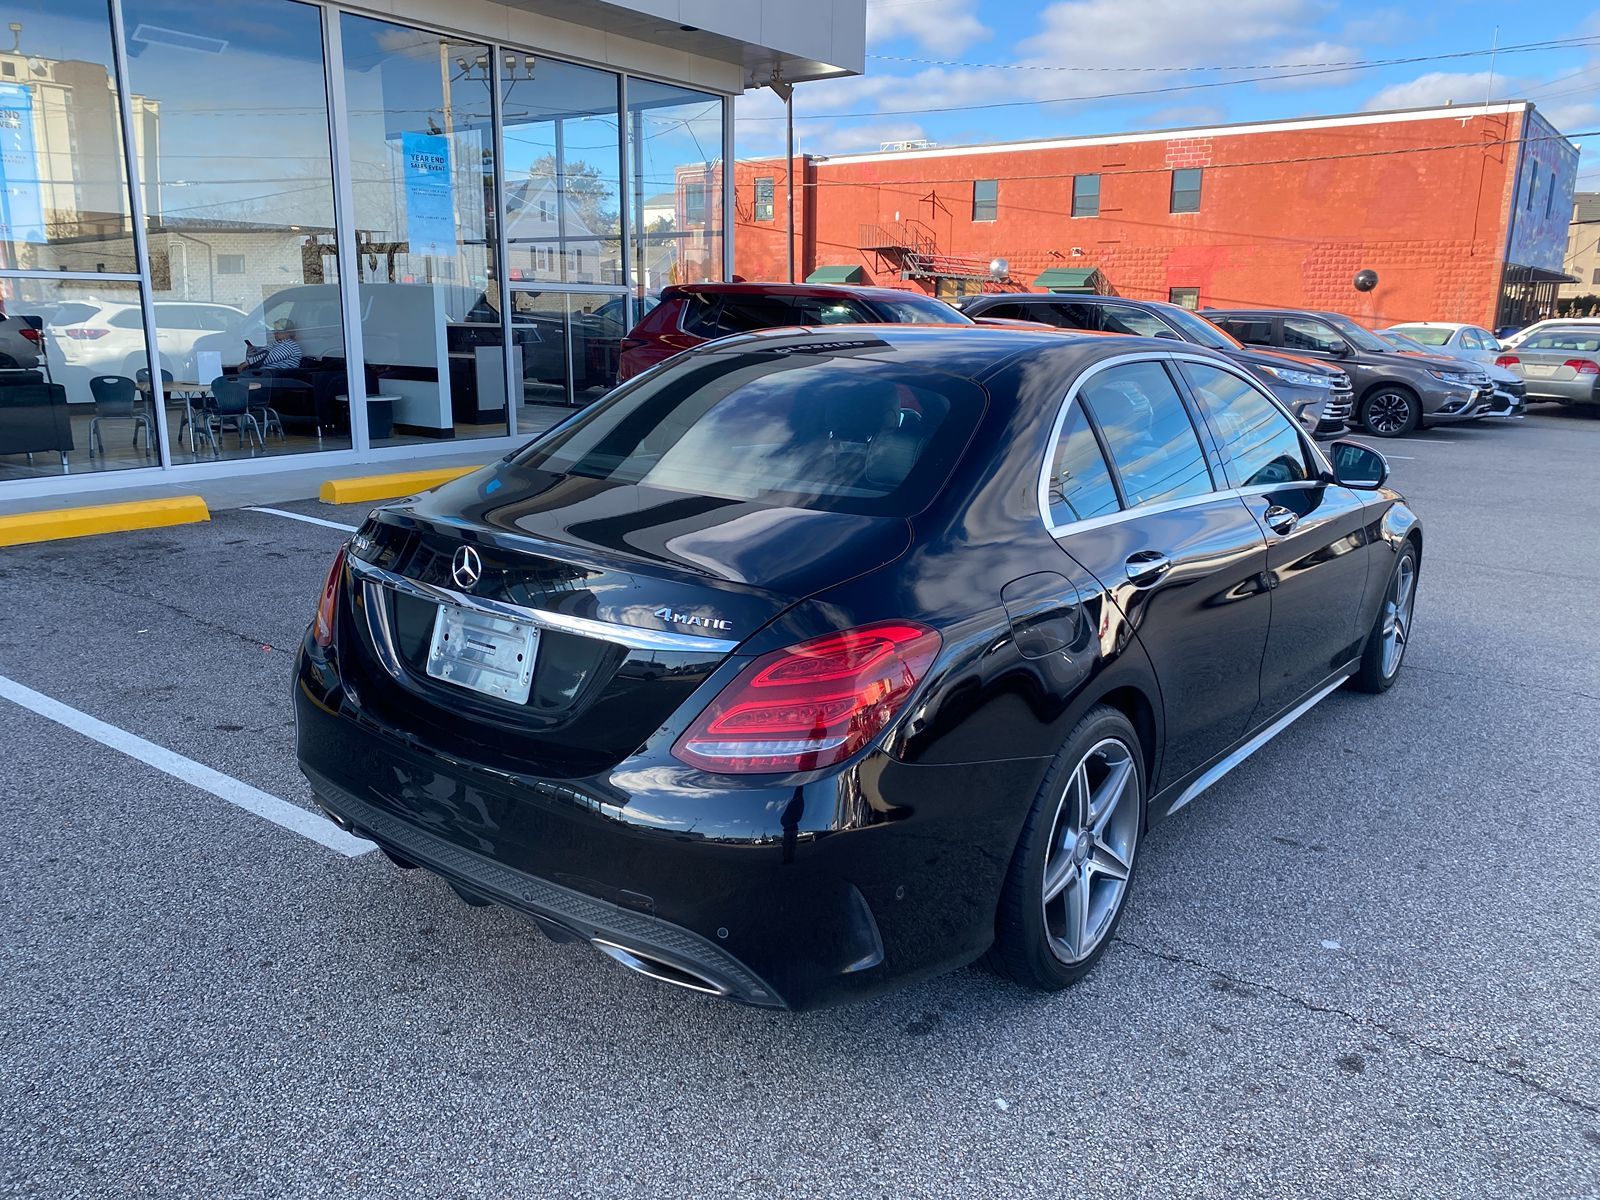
point(1384, 653)
point(1390, 411)
point(1049, 942)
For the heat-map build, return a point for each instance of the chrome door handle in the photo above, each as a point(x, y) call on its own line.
point(1147, 567)
point(1280, 519)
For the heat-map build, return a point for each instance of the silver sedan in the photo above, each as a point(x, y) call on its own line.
point(1559, 364)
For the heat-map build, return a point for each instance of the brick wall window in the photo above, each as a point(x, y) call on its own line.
point(230, 264)
point(1596, 278)
point(765, 187)
point(694, 204)
point(985, 199)
point(1186, 190)
point(1184, 298)
point(1550, 196)
point(1086, 195)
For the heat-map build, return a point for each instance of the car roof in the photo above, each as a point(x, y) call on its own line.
point(796, 289)
point(972, 351)
point(1434, 325)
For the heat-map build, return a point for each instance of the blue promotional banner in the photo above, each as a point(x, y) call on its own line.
point(21, 210)
point(430, 204)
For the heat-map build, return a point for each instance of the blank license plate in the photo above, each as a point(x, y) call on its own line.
point(1540, 369)
point(483, 653)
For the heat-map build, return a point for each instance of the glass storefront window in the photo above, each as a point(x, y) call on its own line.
point(675, 169)
point(239, 215)
point(422, 160)
point(61, 341)
point(63, 182)
point(563, 162)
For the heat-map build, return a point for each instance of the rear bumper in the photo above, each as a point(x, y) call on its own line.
point(791, 896)
point(1564, 391)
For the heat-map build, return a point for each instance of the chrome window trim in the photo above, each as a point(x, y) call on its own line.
point(609, 631)
point(1055, 530)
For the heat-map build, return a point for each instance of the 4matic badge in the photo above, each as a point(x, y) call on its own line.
point(697, 622)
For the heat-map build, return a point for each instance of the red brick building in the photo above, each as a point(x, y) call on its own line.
point(1462, 211)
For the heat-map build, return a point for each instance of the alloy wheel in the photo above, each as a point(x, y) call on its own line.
point(1397, 606)
point(1388, 413)
point(1090, 852)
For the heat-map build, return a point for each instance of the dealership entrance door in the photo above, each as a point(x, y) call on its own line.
point(566, 340)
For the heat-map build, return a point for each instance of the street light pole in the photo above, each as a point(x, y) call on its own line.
point(785, 92)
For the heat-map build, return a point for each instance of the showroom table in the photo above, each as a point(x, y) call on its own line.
point(188, 389)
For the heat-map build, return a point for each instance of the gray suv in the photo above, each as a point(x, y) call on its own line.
point(1395, 392)
point(1316, 393)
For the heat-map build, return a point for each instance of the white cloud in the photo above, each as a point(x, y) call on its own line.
point(1445, 87)
point(1315, 75)
point(860, 137)
point(946, 27)
point(1184, 116)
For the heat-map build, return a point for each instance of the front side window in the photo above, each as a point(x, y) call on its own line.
point(1086, 195)
point(827, 310)
point(1148, 433)
point(1302, 333)
point(1186, 190)
point(985, 199)
point(1260, 444)
point(830, 433)
point(1119, 318)
point(763, 198)
point(1080, 482)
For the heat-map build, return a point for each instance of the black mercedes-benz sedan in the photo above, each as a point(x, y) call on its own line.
point(815, 661)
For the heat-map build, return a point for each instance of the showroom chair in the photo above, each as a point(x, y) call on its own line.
point(230, 409)
point(116, 399)
point(142, 377)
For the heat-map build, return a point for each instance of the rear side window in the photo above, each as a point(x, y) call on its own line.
point(718, 316)
point(1260, 444)
point(829, 432)
point(1080, 482)
point(1148, 433)
point(1252, 331)
point(128, 318)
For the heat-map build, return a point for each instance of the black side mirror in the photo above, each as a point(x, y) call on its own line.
point(1358, 466)
point(1341, 350)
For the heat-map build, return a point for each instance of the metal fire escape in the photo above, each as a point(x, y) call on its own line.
point(911, 248)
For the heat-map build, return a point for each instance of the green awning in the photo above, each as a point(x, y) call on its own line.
point(1069, 279)
point(837, 275)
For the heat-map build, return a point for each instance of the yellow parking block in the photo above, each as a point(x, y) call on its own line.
point(51, 524)
point(361, 488)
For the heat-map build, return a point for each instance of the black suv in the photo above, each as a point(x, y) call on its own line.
point(1314, 391)
point(1396, 392)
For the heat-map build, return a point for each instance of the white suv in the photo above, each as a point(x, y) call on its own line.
point(107, 337)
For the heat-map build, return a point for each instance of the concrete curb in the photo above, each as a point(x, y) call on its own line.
point(359, 489)
point(52, 524)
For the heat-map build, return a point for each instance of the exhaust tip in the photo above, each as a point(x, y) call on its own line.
point(659, 969)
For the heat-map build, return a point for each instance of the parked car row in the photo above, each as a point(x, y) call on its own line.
point(1332, 372)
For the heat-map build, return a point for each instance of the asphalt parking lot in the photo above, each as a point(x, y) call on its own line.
point(1365, 964)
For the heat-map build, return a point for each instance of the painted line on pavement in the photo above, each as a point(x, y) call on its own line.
point(294, 516)
point(253, 800)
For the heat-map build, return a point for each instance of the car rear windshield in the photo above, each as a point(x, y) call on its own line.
point(1564, 339)
point(1426, 334)
point(830, 431)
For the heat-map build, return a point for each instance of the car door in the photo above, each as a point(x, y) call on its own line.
point(1316, 542)
point(1133, 499)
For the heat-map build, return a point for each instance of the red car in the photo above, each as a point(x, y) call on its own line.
point(697, 312)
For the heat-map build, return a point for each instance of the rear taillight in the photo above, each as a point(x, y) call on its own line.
point(322, 627)
point(813, 704)
point(31, 334)
point(1583, 366)
point(83, 333)
point(1508, 360)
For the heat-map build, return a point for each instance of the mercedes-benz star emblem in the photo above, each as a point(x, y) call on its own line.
point(466, 568)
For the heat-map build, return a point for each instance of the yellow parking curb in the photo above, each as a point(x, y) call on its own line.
point(52, 524)
point(361, 488)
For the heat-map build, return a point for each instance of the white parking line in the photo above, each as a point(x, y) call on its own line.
point(309, 520)
point(253, 800)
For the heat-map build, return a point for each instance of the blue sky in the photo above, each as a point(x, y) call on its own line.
point(956, 54)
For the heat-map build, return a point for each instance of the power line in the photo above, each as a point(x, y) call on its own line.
point(1553, 44)
point(1134, 92)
